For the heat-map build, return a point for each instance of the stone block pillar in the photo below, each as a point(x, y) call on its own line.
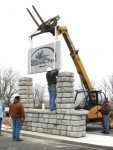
point(25, 92)
point(65, 92)
point(72, 122)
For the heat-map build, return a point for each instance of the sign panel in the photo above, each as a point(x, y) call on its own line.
point(40, 58)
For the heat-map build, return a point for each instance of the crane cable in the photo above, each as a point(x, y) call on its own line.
point(55, 46)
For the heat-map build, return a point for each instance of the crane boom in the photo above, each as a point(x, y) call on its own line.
point(75, 57)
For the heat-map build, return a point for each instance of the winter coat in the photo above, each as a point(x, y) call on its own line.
point(16, 110)
point(105, 109)
point(51, 77)
point(1, 109)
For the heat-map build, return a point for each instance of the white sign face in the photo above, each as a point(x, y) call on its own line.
point(40, 58)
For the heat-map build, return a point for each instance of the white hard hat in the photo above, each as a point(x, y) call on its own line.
point(49, 69)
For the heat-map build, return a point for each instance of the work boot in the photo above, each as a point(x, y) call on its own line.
point(1, 134)
point(18, 139)
point(106, 132)
point(102, 131)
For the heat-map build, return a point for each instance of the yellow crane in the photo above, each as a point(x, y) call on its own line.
point(88, 98)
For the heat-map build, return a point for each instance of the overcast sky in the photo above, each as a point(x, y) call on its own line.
point(90, 25)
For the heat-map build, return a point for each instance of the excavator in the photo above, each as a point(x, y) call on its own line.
point(88, 98)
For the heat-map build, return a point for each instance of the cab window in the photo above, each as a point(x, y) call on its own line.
point(100, 97)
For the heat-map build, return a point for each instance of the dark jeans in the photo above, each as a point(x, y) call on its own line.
point(16, 127)
point(52, 97)
point(0, 125)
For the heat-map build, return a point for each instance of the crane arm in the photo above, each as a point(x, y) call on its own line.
point(75, 57)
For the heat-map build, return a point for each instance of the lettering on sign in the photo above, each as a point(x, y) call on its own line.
point(40, 58)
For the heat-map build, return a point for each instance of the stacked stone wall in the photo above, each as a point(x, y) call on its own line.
point(72, 124)
point(64, 120)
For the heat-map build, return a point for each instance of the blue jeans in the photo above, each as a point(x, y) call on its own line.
point(106, 123)
point(16, 126)
point(52, 97)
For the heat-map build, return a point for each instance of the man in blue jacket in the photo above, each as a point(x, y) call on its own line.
point(1, 115)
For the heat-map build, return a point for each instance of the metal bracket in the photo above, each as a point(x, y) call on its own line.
point(47, 26)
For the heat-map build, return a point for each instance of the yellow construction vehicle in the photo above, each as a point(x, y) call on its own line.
point(88, 98)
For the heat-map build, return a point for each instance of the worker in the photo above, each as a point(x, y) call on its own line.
point(51, 77)
point(1, 115)
point(17, 114)
point(105, 110)
point(93, 99)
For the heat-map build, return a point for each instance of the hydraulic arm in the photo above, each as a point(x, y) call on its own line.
point(75, 57)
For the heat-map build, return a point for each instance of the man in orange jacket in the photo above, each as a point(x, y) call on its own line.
point(17, 114)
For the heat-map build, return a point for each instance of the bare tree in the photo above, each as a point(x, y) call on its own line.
point(8, 84)
point(107, 86)
point(39, 94)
